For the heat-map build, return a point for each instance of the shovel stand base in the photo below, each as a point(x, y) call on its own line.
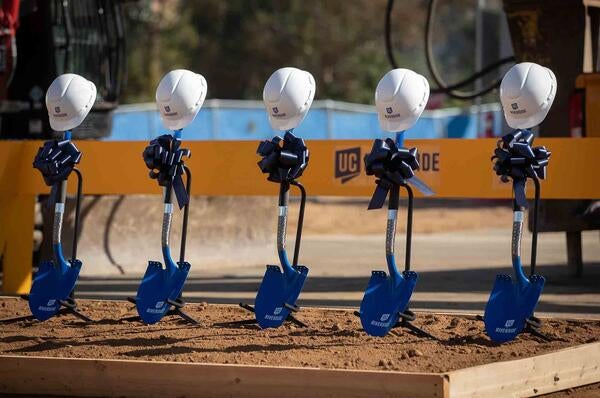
point(532, 327)
point(176, 310)
point(405, 321)
point(290, 318)
point(67, 307)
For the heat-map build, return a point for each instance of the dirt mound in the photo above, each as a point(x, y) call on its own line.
point(334, 339)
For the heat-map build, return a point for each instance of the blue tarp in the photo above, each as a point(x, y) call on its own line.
point(219, 122)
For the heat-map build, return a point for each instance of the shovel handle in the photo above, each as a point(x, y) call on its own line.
point(390, 235)
point(519, 213)
point(167, 215)
point(186, 211)
point(390, 232)
point(534, 229)
point(77, 213)
point(59, 213)
point(300, 221)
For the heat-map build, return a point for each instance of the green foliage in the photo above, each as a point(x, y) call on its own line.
point(237, 44)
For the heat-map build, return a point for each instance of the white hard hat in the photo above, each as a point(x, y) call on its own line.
point(288, 95)
point(400, 98)
point(69, 99)
point(179, 96)
point(527, 92)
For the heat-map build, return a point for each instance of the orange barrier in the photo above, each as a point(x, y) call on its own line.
point(454, 168)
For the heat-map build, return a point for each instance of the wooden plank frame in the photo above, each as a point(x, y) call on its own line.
point(542, 374)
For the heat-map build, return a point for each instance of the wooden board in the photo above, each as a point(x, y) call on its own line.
point(118, 378)
point(529, 377)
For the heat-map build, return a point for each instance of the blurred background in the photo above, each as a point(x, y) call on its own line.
point(127, 46)
point(462, 46)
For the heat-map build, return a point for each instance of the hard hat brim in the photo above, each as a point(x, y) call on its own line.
point(393, 126)
point(180, 123)
point(527, 122)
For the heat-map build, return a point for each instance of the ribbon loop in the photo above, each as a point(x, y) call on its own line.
point(516, 159)
point(283, 159)
point(165, 159)
point(56, 160)
point(391, 165)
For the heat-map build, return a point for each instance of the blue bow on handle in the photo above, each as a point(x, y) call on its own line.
point(283, 159)
point(55, 160)
point(164, 157)
point(515, 159)
point(393, 166)
point(511, 304)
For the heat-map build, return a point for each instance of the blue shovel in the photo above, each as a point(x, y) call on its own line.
point(278, 292)
point(54, 283)
point(284, 160)
point(385, 299)
point(511, 304)
point(385, 302)
point(161, 287)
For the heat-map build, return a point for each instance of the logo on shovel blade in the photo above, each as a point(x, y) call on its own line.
point(158, 307)
point(509, 323)
point(347, 164)
point(384, 321)
point(275, 316)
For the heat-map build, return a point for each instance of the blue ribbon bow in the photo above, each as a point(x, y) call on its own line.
point(164, 158)
point(391, 165)
point(284, 159)
point(515, 158)
point(56, 160)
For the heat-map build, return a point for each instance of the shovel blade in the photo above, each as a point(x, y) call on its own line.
point(157, 287)
point(384, 301)
point(50, 286)
point(276, 290)
point(509, 306)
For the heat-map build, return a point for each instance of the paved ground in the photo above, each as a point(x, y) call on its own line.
point(456, 271)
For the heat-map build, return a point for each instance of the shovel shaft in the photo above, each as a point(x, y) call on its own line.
point(167, 216)
point(284, 188)
point(166, 230)
point(534, 232)
point(59, 213)
point(517, 233)
point(390, 233)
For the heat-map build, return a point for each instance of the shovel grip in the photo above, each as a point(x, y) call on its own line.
point(517, 233)
point(166, 225)
point(167, 216)
point(281, 228)
point(59, 212)
point(284, 195)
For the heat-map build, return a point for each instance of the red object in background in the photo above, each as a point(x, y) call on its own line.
point(9, 22)
point(488, 131)
point(435, 101)
point(576, 114)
